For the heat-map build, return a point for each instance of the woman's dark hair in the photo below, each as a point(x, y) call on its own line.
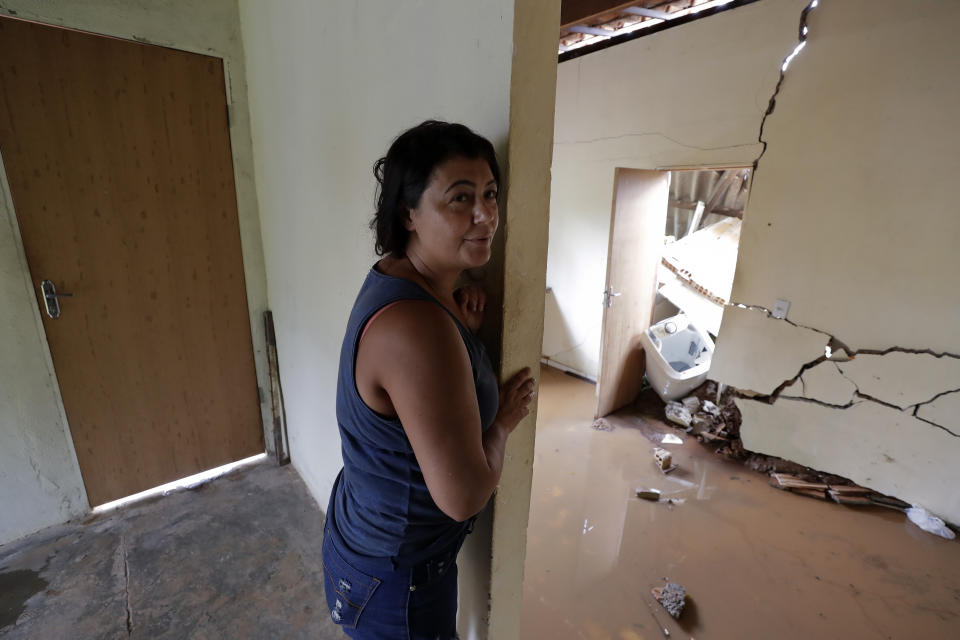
point(402, 175)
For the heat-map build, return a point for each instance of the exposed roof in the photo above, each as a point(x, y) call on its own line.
point(589, 24)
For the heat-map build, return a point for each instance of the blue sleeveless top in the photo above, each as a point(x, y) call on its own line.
point(381, 506)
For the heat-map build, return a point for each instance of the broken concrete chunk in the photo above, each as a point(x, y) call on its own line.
point(601, 424)
point(672, 596)
point(710, 409)
point(903, 379)
point(701, 422)
point(678, 414)
point(692, 403)
point(663, 458)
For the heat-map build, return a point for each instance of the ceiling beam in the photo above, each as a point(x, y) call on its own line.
point(592, 31)
point(576, 11)
point(647, 13)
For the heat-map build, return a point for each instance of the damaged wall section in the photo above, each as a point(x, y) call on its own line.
point(691, 96)
point(852, 219)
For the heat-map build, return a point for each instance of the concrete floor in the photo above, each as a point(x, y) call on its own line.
point(238, 557)
point(757, 562)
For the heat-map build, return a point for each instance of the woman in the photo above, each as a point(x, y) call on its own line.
point(423, 427)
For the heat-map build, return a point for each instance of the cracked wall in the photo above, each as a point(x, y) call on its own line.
point(852, 218)
point(691, 96)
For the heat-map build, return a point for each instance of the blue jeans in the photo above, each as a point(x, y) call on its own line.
point(373, 599)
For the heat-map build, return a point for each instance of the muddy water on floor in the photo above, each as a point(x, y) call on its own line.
point(757, 562)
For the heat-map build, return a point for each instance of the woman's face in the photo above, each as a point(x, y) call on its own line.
point(454, 223)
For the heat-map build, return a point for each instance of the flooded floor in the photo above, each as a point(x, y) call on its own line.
point(756, 562)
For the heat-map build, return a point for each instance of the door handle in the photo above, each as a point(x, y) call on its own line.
point(608, 296)
point(51, 299)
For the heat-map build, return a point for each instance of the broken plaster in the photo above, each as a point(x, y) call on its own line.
point(802, 32)
point(776, 346)
point(894, 377)
point(903, 379)
point(825, 383)
point(865, 443)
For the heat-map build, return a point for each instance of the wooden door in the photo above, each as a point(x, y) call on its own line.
point(636, 242)
point(118, 159)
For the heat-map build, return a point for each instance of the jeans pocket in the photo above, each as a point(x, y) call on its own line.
point(348, 590)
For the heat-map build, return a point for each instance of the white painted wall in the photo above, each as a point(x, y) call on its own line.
point(853, 218)
point(331, 85)
point(40, 483)
point(691, 96)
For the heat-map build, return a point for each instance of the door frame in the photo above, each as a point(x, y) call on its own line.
point(142, 19)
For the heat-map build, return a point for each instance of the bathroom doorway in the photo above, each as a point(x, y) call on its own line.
point(674, 237)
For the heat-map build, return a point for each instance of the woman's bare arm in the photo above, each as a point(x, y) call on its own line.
point(413, 357)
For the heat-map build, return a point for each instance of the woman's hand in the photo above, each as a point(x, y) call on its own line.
point(515, 397)
point(471, 300)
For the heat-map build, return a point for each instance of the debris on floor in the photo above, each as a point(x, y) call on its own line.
point(929, 522)
point(717, 424)
point(678, 414)
point(648, 494)
point(692, 403)
point(663, 459)
point(834, 488)
point(601, 424)
point(672, 596)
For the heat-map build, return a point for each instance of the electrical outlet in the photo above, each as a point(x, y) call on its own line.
point(780, 309)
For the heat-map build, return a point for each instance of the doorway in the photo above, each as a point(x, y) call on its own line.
point(119, 163)
point(673, 246)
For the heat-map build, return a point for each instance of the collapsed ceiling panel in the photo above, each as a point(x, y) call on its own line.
point(696, 272)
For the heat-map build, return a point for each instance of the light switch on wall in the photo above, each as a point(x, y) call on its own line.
point(780, 308)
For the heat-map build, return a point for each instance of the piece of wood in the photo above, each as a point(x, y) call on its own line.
point(788, 481)
point(849, 499)
point(811, 493)
point(119, 163)
point(721, 211)
point(850, 489)
point(280, 450)
point(633, 256)
point(587, 11)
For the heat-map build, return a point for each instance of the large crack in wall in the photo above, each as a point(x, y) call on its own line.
point(885, 415)
point(876, 371)
point(802, 31)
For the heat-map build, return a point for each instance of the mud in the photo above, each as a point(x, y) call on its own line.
point(756, 562)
